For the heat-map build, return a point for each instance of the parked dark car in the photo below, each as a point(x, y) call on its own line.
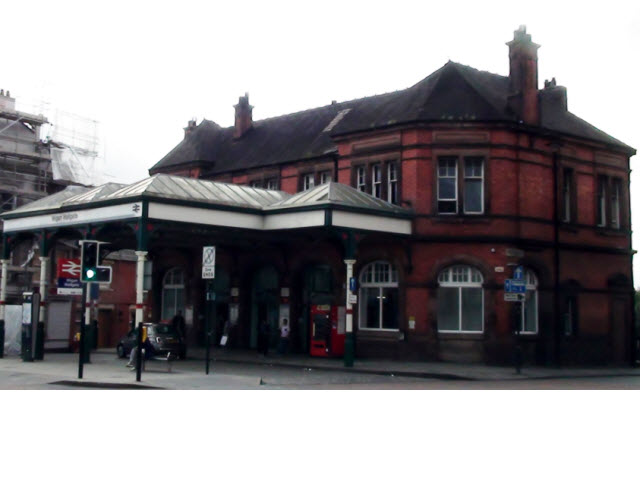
point(163, 339)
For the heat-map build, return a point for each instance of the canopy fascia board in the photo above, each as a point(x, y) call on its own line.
point(168, 209)
point(67, 218)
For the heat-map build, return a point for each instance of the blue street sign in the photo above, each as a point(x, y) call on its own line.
point(514, 286)
point(518, 273)
point(352, 284)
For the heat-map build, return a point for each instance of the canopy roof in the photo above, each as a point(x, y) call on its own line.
point(182, 199)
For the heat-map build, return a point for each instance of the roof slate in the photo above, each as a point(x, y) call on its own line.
point(455, 92)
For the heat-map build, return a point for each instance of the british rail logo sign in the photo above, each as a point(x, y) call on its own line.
point(69, 277)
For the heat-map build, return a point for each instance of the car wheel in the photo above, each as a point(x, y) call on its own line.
point(120, 351)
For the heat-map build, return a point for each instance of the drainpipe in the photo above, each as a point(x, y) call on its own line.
point(633, 351)
point(556, 266)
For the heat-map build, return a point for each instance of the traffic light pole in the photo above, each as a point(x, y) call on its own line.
point(81, 360)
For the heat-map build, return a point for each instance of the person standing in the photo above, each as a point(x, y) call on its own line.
point(226, 330)
point(264, 331)
point(179, 325)
point(283, 345)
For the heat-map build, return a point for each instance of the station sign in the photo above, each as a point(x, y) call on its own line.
point(69, 277)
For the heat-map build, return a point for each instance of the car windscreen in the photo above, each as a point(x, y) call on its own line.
point(161, 329)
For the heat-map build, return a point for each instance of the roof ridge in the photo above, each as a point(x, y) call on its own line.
point(337, 105)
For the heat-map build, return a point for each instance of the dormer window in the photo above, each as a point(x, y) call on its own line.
point(308, 181)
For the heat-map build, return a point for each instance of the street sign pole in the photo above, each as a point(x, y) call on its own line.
point(208, 274)
point(139, 353)
point(207, 327)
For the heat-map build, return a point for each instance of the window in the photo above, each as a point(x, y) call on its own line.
point(172, 293)
point(602, 201)
point(255, 184)
point(380, 180)
point(376, 181)
point(361, 179)
point(325, 177)
point(460, 300)
point(529, 314)
point(567, 189)
point(392, 182)
point(473, 185)
point(272, 184)
point(464, 194)
point(447, 185)
point(608, 202)
point(308, 181)
point(616, 188)
point(378, 298)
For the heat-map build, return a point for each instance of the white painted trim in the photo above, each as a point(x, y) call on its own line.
point(77, 217)
point(284, 221)
point(205, 216)
point(371, 222)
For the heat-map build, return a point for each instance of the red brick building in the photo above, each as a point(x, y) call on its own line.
point(490, 172)
point(497, 171)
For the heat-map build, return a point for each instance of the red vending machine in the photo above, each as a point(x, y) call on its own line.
point(327, 331)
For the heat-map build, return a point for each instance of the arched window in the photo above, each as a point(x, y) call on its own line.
point(172, 293)
point(378, 297)
point(460, 300)
point(529, 317)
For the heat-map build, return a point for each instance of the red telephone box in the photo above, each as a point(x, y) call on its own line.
point(327, 331)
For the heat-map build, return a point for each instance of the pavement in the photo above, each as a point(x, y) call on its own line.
point(245, 369)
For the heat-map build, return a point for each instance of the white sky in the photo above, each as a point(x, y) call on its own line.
point(142, 70)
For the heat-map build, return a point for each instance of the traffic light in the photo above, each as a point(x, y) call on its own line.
point(90, 271)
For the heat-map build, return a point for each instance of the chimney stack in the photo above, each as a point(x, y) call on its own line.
point(244, 121)
point(7, 102)
point(523, 77)
point(191, 126)
point(556, 94)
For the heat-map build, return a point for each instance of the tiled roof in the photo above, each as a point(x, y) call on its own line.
point(455, 92)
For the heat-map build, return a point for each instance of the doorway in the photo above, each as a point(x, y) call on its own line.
point(620, 329)
point(265, 302)
point(317, 289)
